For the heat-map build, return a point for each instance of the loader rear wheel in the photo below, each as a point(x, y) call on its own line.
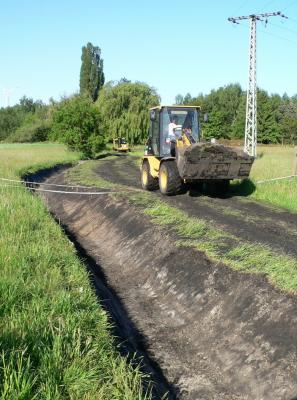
point(148, 182)
point(170, 181)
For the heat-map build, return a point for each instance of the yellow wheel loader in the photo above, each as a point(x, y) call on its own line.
point(120, 144)
point(175, 156)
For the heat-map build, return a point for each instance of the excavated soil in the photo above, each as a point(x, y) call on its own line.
point(244, 218)
point(206, 332)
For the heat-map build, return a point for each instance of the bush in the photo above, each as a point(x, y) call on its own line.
point(10, 119)
point(37, 131)
point(77, 123)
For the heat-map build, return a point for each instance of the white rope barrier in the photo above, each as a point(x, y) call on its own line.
point(276, 179)
point(59, 191)
point(45, 184)
point(27, 183)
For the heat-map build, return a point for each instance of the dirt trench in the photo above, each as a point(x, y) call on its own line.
point(209, 332)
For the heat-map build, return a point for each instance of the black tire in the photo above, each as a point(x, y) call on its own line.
point(170, 182)
point(148, 182)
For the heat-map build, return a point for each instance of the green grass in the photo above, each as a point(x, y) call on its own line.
point(15, 159)
point(274, 162)
point(84, 174)
point(56, 340)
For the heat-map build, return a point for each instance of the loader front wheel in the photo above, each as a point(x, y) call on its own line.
point(170, 181)
point(148, 182)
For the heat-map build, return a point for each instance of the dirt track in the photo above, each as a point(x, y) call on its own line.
point(215, 333)
point(245, 218)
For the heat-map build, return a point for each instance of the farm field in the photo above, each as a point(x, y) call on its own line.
point(210, 281)
point(274, 162)
point(56, 340)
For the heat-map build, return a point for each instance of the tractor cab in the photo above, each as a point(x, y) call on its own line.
point(172, 126)
point(120, 144)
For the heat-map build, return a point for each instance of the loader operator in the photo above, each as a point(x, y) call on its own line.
point(172, 134)
point(171, 128)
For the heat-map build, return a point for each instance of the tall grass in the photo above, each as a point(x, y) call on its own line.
point(274, 162)
point(55, 339)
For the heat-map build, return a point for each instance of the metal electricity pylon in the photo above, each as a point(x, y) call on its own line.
point(250, 137)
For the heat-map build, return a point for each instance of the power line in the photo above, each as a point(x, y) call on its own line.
point(278, 37)
point(291, 4)
point(250, 138)
point(266, 5)
point(242, 4)
point(292, 19)
point(273, 34)
point(283, 27)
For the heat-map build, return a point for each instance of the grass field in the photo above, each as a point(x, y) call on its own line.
point(56, 341)
point(15, 159)
point(273, 162)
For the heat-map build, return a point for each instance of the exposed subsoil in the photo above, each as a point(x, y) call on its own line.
point(215, 333)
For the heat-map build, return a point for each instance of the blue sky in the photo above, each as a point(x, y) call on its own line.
point(175, 46)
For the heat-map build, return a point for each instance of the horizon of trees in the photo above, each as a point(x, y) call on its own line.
point(226, 108)
point(86, 121)
point(123, 108)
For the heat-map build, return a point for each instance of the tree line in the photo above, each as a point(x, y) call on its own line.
point(226, 108)
point(101, 111)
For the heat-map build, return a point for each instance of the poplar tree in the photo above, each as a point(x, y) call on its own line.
point(91, 72)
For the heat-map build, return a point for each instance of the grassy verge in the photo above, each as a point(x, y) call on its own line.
point(84, 174)
point(273, 162)
point(220, 246)
point(56, 341)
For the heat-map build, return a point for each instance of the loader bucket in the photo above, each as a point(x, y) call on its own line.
point(213, 161)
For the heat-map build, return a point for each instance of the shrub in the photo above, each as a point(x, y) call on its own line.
point(77, 123)
point(37, 131)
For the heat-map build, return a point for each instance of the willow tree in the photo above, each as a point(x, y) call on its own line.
point(91, 72)
point(125, 110)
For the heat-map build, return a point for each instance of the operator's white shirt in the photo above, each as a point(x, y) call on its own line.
point(171, 128)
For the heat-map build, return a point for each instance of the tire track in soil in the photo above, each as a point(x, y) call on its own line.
point(216, 333)
point(246, 219)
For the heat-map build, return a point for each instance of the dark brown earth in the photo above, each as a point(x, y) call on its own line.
point(215, 333)
point(244, 218)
